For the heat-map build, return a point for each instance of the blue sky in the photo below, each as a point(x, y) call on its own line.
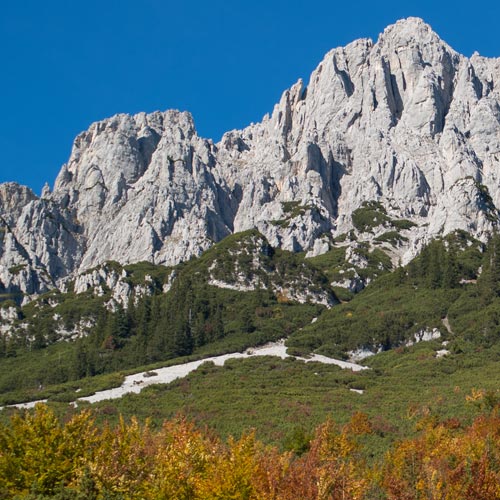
point(65, 64)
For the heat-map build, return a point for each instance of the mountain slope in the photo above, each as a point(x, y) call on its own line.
point(406, 122)
point(238, 294)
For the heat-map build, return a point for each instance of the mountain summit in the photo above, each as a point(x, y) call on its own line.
point(404, 130)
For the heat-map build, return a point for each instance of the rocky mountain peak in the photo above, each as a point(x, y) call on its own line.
point(406, 124)
point(405, 33)
point(13, 198)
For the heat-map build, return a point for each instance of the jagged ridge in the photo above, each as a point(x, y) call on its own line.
point(406, 121)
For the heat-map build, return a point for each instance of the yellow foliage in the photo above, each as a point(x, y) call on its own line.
point(40, 455)
point(37, 453)
point(182, 457)
point(282, 297)
point(121, 462)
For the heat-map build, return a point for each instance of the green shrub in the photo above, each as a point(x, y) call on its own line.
point(402, 224)
point(391, 237)
point(369, 216)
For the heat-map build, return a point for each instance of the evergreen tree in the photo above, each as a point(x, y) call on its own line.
point(434, 260)
point(117, 328)
point(80, 364)
point(99, 331)
point(157, 345)
point(450, 278)
point(489, 280)
point(182, 344)
point(200, 313)
point(246, 320)
point(142, 328)
point(217, 319)
point(35, 332)
point(3, 345)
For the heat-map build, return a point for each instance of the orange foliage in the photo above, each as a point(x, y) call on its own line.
point(41, 456)
point(447, 463)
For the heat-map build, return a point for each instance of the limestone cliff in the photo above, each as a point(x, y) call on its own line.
point(406, 122)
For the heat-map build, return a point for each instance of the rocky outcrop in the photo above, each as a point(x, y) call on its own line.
point(13, 198)
point(9, 314)
point(249, 263)
point(39, 242)
point(144, 187)
point(406, 121)
point(117, 284)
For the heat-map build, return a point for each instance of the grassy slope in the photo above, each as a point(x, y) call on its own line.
point(281, 398)
point(248, 318)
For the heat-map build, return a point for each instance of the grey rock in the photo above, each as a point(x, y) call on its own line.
point(257, 273)
point(405, 121)
point(144, 187)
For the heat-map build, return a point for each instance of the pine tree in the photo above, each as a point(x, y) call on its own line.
point(3, 345)
point(142, 328)
point(217, 322)
point(99, 331)
point(434, 265)
point(489, 280)
point(36, 333)
point(450, 278)
point(117, 328)
point(246, 320)
point(80, 364)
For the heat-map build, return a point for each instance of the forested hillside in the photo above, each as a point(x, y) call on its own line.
point(243, 293)
point(239, 294)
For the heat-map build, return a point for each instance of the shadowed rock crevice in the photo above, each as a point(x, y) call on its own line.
point(344, 77)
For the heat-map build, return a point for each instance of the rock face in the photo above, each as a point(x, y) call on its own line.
point(39, 242)
point(406, 121)
point(145, 187)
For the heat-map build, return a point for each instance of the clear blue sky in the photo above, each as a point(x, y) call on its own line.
point(65, 64)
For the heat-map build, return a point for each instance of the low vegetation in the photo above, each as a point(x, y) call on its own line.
point(372, 263)
point(291, 210)
point(443, 282)
point(369, 216)
point(41, 458)
point(194, 318)
point(420, 423)
point(372, 214)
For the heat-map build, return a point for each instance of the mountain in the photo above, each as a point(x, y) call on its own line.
point(393, 142)
point(358, 221)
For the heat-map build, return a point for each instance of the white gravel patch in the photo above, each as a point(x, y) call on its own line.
point(135, 383)
point(138, 381)
point(25, 406)
point(357, 391)
point(442, 352)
